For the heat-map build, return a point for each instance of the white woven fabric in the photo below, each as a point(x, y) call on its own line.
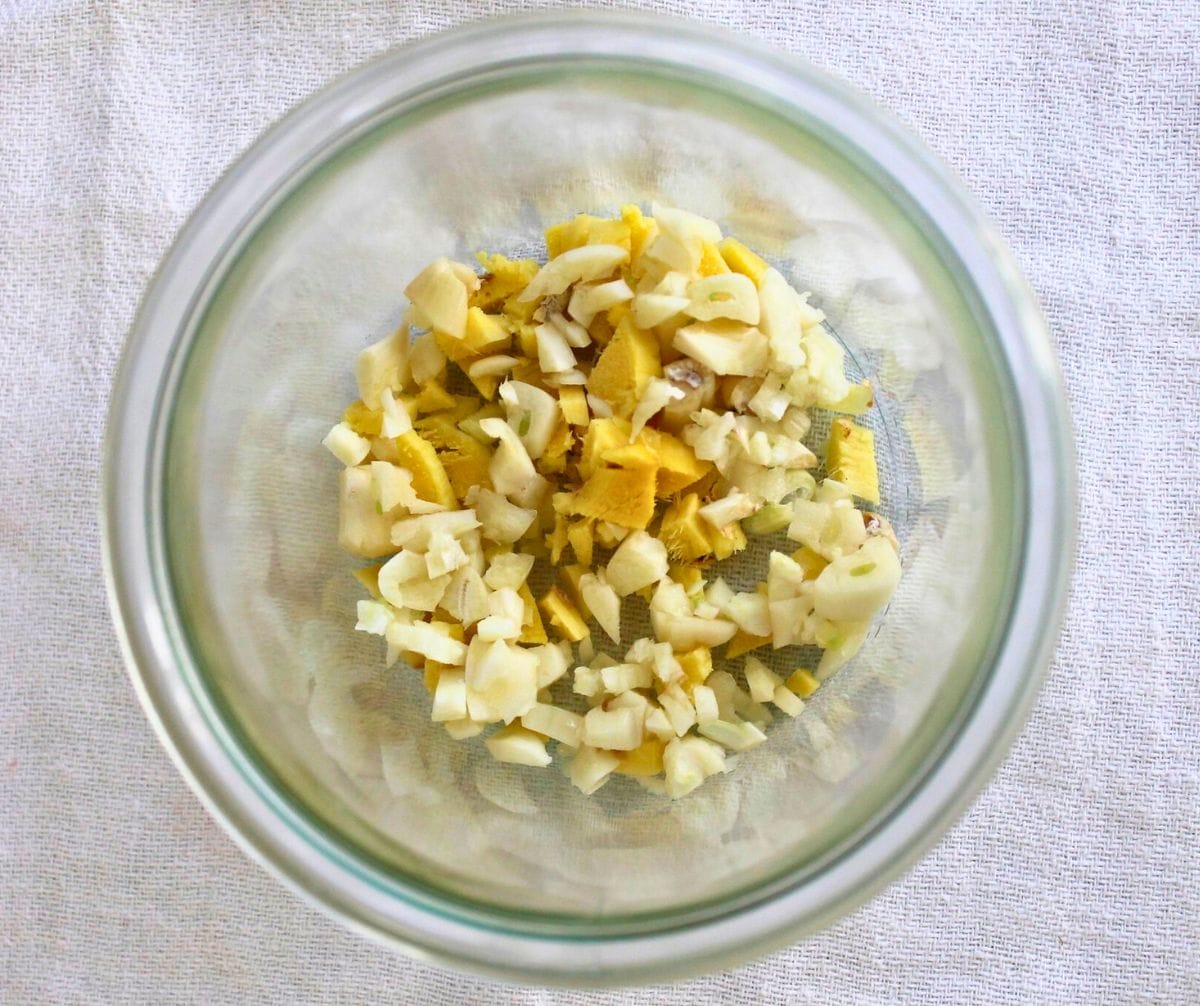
point(1073, 878)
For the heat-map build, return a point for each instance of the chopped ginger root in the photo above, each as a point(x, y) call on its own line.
point(711, 262)
point(697, 664)
point(573, 403)
point(626, 364)
point(586, 230)
point(363, 421)
point(533, 631)
point(811, 562)
point(534, 435)
point(850, 459)
point(429, 477)
point(502, 280)
point(644, 760)
point(622, 496)
point(803, 683)
point(563, 615)
point(742, 643)
point(741, 259)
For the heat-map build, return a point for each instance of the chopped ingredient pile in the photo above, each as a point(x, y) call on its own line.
point(623, 417)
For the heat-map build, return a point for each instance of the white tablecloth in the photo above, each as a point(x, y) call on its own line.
point(1073, 878)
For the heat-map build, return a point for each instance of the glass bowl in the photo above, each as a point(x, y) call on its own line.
point(235, 606)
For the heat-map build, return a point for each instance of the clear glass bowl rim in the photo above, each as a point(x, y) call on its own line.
point(258, 819)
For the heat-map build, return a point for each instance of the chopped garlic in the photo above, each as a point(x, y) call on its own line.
point(602, 601)
point(734, 736)
point(657, 396)
point(346, 445)
point(640, 561)
point(590, 768)
point(723, 512)
point(589, 262)
point(688, 761)
point(520, 746)
point(625, 677)
point(489, 366)
point(499, 520)
point(457, 493)
point(612, 730)
point(556, 723)
point(373, 617)
point(396, 420)
point(589, 301)
point(575, 334)
point(705, 701)
point(509, 569)
point(787, 701)
point(555, 355)
point(444, 555)
point(532, 413)
point(727, 295)
point(425, 359)
point(450, 697)
point(415, 532)
point(439, 294)
point(426, 640)
point(382, 366)
point(761, 681)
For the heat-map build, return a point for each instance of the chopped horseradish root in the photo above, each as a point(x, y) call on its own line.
point(623, 416)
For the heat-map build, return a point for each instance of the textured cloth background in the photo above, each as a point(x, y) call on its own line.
point(1073, 878)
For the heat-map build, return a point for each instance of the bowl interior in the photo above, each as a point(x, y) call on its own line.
point(267, 600)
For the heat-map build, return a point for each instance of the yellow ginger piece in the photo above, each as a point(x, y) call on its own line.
point(644, 760)
point(642, 230)
point(622, 496)
point(486, 335)
point(601, 329)
point(432, 672)
point(689, 537)
point(607, 441)
point(572, 401)
point(368, 576)
point(635, 455)
point(464, 405)
point(464, 458)
point(528, 371)
point(742, 642)
point(431, 398)
point(364, 421)
point(678, 466)
point(563, 615)
point(690, 577)
point(741, 259)
point(501, 281)
point(556, 540)
point(533, 630)
point(711, 262)
point(802, 682)
point(582, 540)
point(809, 561)
point(858, 399)
point(570, 576)
point(625, 366)
point(697, 664)
point(586, 230)
point(554, 457)
point(602, 437)
point(683, 530)
point(429, 478)
point(850, 459)
point(725, 545)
